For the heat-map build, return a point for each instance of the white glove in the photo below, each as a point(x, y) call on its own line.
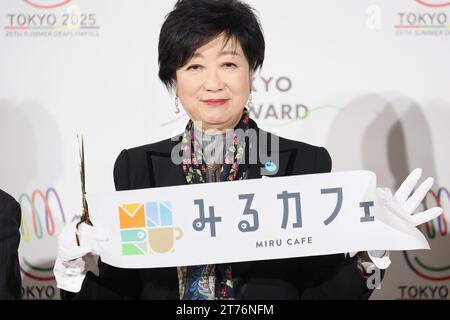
point(403, 206)
point(380, 258)
point(73, 261)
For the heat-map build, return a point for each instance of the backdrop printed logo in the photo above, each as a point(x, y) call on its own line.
point(433, 20)
point(279, 114)
point(47, 4)
point(433, 230)
point(147, 228)
point(434, 3)
point(43, 217)
point(50, 19)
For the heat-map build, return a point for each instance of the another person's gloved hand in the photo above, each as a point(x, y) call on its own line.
point(403, 206)
point(73, 261)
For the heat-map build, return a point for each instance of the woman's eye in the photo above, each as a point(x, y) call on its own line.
point(229, 65)
point(194, 67)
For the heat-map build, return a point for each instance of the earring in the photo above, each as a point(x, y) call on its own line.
point(177, 110)
point(250, 103)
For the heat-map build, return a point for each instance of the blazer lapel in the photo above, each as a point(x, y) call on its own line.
point(282, 158)
point(163, 172)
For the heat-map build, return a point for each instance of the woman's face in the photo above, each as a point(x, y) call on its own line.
point(214, 85)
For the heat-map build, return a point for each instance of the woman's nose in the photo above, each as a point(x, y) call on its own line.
point(213, 82)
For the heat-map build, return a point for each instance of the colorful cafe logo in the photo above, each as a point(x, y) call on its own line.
point(147, 228)
point(47, 4)
point(41, 208)
point(433, 229)
point(434, 3)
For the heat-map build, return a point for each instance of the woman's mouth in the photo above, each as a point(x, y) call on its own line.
point(215, 102)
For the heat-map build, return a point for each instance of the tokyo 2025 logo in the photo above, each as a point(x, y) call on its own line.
point(42, 218)
point(47, 4)
point(434, 3)
point(435, 230)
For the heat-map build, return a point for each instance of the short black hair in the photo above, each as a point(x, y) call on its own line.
point(193, 23)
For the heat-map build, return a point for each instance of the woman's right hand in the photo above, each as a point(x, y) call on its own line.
point(73, 261)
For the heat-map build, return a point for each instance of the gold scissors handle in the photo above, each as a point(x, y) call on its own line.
point(85, 210)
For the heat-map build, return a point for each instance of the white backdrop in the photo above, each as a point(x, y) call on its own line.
point(367, 79)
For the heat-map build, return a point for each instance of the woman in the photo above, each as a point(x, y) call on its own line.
point(208, 52)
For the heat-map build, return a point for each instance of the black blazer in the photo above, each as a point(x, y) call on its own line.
point(10, 215)
point(321, 277)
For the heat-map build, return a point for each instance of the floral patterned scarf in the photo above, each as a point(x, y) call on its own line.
point(208, 282)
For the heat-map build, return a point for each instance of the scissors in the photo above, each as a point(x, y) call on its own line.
point(85, 210)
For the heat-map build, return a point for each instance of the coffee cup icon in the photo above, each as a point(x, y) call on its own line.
point(162, 234)
point(162, 240)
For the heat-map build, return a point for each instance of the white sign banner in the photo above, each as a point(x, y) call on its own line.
point(248, 220)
